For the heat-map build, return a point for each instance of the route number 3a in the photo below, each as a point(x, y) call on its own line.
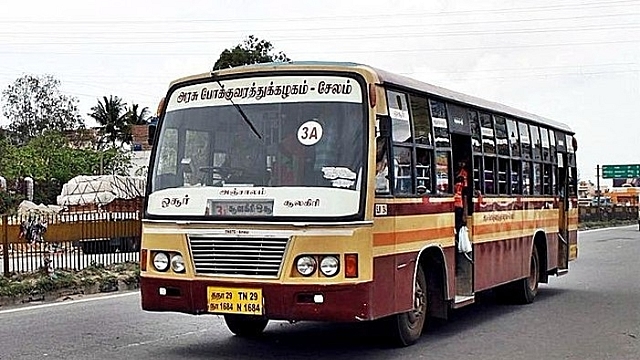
point(309, 133)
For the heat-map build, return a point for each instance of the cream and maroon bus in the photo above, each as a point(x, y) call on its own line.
point(267, 200)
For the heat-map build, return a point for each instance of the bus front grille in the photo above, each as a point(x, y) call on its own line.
point(237, 256)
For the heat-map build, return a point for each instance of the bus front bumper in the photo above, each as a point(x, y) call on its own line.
point(345, 303)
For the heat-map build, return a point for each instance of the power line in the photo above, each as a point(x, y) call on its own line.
point(580, 66)
point(470, 48)
point(591, 5)
point(341, 28)
point(117, 78)
point(536, 75)
point(626, 26)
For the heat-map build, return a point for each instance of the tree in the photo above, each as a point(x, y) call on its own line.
point(111, 114)
point(34, 104)
point(135, 118)
point(51, 156)
point(251, 51)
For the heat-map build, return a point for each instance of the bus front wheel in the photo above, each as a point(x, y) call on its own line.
point(406, 328)
point(245, 325)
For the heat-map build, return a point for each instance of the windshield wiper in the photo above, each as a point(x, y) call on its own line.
point(244, 116)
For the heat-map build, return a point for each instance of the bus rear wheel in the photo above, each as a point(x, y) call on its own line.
point(246, 325)
point(406, 328)
point(523, 291)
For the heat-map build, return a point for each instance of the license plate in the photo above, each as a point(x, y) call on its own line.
point(224, 300)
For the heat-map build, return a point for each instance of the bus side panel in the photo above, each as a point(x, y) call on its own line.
point(552, 250)
point(573, 230)
point(501, 261)
point(405, 272)
point(382, 296)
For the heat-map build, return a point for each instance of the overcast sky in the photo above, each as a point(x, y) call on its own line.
point(575, 61)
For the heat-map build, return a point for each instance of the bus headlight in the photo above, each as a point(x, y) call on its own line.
point(177, 263)
point(329, 265)
point(161, 261)
point(306, 265)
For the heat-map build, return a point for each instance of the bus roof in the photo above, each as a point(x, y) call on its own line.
point(401, 81)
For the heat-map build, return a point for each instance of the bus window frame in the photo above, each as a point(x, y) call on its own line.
point(367, 113)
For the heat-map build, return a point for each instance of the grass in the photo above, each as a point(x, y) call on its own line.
point(106, 278)
point(604, 224)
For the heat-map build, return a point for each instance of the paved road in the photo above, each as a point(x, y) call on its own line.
point(592, 313)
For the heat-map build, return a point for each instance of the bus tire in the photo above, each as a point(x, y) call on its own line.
point(246, 325)
point(407, 327)
point(526, 289)
point(522, 291)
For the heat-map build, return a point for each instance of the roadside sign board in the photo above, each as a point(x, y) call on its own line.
point(620, 171)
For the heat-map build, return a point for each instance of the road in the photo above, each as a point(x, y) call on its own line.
point(591, 313)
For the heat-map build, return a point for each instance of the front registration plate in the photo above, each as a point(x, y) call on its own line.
point(224, 300)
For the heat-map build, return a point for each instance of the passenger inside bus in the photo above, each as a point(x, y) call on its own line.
point(460, 194)
point(382, 168)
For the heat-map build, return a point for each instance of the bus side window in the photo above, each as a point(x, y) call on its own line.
point(516, 184)
point(489, 175)
point(526, 178)
point(477, 173)
point(423, 171)
point(443, 172)
point(402, 170)
point(382, 166)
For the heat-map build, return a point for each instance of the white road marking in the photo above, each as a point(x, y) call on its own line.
point(606, 228)
point(142, 343)
point(69, 302)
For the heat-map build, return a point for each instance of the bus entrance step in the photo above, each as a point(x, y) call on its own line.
point(562, 272)
point(461, 301)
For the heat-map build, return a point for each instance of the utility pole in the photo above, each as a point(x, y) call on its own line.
point(598, 192)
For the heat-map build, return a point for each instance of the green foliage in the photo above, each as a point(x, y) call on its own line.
point(136, 116)
point(106, 278)
point(586, 225)
point(109, 283)
point(111, 114)
point(9, 202)
point(34, 105)
point(251, 51)
point(51, 157)
point(51, 161)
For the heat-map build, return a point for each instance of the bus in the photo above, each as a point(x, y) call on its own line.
point(264, 202)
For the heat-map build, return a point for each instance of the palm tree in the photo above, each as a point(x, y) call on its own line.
point(137, 119)
point(111, 114)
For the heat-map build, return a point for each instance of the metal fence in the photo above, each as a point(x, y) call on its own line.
point(71, 240)
point(607, 213)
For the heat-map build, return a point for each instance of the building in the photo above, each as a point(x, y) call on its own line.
point(141, 150)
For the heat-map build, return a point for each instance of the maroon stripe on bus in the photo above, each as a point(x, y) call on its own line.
point(520, 204)
point(426, 207)
point(429, 207)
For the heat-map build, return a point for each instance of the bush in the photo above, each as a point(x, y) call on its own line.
point(9, 202)
point(39, 283)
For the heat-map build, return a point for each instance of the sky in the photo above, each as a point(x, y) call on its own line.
point(574, 61)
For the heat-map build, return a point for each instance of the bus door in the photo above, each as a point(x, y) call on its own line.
point(563, 214)
point(463, 172)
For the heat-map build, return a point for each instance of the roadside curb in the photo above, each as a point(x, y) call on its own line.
point(65, 294)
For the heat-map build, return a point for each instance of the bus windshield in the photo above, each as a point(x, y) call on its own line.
point(304, 156)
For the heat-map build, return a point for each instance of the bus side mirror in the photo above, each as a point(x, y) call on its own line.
point(151, 133)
